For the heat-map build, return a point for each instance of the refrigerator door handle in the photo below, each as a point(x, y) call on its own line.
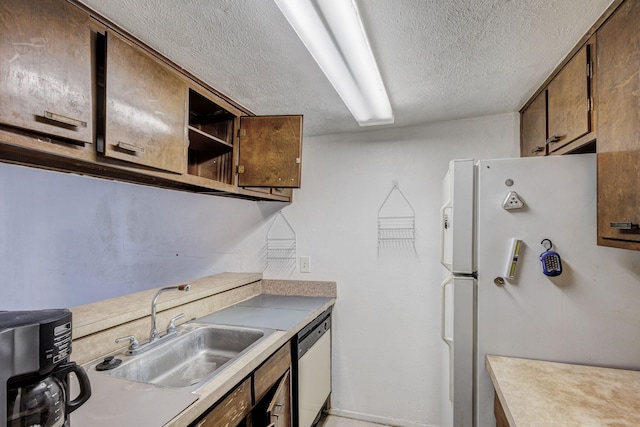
point(443, 226)
point(443, 311)
point(447, 340)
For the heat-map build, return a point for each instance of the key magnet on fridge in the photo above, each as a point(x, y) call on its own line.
point(551, 263)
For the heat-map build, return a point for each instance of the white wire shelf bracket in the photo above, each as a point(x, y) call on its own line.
point(396, 221)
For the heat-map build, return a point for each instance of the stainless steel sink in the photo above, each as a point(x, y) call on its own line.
point(197, 354)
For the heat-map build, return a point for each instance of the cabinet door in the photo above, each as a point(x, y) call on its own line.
point(568, 101)
point(618, 82)
point(270, 150)
point(145, 115)
point(498, 412)
point(279, 411)
point(231, 410)
point(533, 134)
point(45, 68)
point(267, 374)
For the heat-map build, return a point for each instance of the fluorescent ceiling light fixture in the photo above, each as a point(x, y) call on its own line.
point(333, 33)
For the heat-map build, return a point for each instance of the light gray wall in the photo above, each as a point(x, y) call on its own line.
point(387, 359)
point(67, 240)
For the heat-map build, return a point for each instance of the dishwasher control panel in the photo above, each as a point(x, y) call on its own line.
point(311, 333)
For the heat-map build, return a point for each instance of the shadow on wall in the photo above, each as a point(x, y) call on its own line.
point(280, 247)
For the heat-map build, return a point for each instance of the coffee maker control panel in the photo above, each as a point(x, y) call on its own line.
point(55, 341)
point(45, 334)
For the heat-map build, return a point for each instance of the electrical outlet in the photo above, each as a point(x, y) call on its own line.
point(305, 264)
point(513, 201)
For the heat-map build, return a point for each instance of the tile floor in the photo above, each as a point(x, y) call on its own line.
point(335, 421)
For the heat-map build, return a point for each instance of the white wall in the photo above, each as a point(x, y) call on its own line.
point(67, 240)
point(387, 354)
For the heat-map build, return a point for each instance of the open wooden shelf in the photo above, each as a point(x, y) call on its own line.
point(210, 133)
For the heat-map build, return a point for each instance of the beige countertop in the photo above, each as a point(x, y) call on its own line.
point(91, 318)
point(536, 393)
point(94, 322)
point(232, 376)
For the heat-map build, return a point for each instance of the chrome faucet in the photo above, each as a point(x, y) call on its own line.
point(154, 332)
point(154, 339)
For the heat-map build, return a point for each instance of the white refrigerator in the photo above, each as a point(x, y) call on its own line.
point(579, 316)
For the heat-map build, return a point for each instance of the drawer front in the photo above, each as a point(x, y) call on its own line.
point(232, 409)
point(267, 374)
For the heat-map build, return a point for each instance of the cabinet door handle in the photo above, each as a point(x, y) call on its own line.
point(277, 410)
point(130, 147)
point(553, 139)
point(623, 225)
point(537, 150)
point(64, 119)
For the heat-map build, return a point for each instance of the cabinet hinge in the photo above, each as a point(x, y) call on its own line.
point(242, 132)
point(589, 70)
point(240, 169)
point(589, 104)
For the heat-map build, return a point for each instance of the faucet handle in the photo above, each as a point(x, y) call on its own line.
point(172, 323)
point(133, 341)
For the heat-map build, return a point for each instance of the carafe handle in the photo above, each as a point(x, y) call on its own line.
point(83, 379)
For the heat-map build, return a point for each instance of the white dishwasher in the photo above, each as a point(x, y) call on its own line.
point(314, 369)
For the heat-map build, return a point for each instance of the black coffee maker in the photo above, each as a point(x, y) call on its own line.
point(34, 369)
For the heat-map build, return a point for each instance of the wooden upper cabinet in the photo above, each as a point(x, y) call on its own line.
point(618, 80)
point(270, 150)
point(145, 109)
point(569, 101)
point(45, 68)
point(70, 78)
point(533, 128)
point(211, 137)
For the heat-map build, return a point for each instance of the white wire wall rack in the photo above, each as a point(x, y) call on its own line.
point(396, 222)
point(281, 244)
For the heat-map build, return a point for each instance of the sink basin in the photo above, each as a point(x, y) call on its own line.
point(190, 359)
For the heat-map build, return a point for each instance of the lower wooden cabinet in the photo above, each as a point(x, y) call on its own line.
point(271, 371)
point(498, 412)
point(274, 409)
point(279, 410)
point(262, 400)
point(232, 409)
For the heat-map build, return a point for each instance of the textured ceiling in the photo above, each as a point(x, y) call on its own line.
point(439, 59)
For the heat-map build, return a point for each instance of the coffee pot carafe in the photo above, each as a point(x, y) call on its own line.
point(35, 369)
